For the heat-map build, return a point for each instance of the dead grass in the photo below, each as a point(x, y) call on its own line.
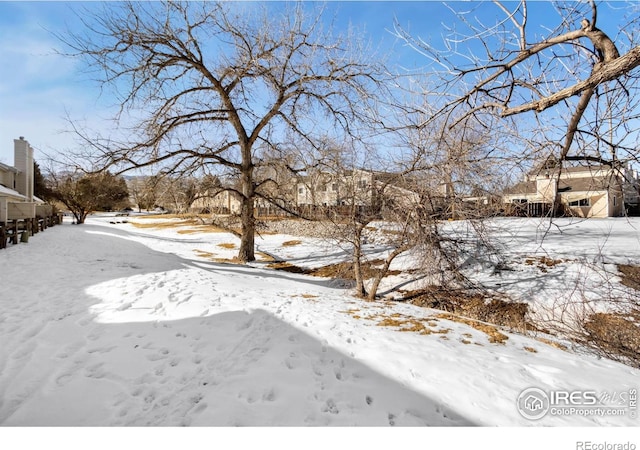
point(202, 229)
point(227, 245)
point(345, 270)
point(616, 336)
point(531, 349)
point(342, 271)
point(630, 275)
point(162, 225)
point(265, 257)
point(291, 243)
point(204, 254)
point(495, 337)
point(286, 267)
point(234, 260)
point(552, 343)
point(473, 305)
point(410, 324)
point(543, 263)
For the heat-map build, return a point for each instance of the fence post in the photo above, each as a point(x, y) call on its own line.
point(14, 229)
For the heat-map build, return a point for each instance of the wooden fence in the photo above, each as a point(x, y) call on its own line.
point(11, 231)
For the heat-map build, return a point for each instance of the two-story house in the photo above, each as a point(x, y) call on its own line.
point(582, 191)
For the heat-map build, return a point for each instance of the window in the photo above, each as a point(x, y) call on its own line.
point(334, 187)
point(301, 190)
point(581, 202)
point(362, 184)
point(615, 201)
point(323, 188)
point(519, 200)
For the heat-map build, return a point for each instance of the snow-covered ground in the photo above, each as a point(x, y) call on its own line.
point(109, 324)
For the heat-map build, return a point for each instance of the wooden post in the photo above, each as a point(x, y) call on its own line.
point(14, 236)
point(3, 237)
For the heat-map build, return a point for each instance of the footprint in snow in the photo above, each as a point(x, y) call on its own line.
point(63, 379)
point(174, 362)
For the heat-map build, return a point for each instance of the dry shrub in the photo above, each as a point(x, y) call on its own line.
point(615, 336)
point(473, 305)
point(291, 243)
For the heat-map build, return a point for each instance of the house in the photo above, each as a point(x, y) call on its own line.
point(375, 191)
point(17, 201)
point(582, 191)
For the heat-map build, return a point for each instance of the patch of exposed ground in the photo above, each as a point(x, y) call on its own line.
point(202, 229)
point(343, 271)
point(291, 243)
point(168, 224)
point(630, 275)
point(495, 336)
point(543, 263)
point(431, 325)
point(474, 306)
point(551, 343)
point(286, 267)
point(204, 254)
point(617, 336)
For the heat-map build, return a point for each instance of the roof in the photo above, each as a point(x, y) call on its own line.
point(7, 168)
point(6, 192)
point(524, 187)
point(567, 185)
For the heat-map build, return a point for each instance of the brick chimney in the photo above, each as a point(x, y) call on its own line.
point(23, 161)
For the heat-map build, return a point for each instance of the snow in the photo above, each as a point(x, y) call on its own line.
point(111, 325)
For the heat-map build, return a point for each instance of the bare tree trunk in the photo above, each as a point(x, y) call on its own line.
point(373, 291)
point(247, 218)
point(361, 290)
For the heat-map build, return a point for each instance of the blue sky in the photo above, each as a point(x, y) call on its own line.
point(38, 88)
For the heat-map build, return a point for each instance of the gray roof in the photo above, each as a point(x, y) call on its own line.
point(569, 185)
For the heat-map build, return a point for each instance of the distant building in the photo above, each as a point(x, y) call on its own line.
point(585, 191)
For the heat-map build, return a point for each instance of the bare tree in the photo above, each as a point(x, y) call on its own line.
point(504, 69)
point(212, 82)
